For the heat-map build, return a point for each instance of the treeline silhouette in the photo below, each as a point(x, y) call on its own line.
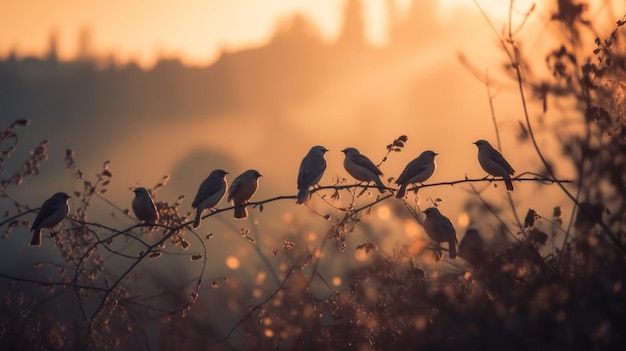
point(293, 63)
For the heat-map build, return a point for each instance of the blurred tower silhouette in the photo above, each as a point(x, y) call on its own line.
point(352, 34)
point(84, 44)
point(53, 42)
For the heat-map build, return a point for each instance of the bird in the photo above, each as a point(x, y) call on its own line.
point(312, 169)
point(51, 213)
point(417, 171)
point(471, 247)
point(143, 206)
point(210, 193)
point(242, 189)
point(361, 168)
point(588, 215)
point(494, 163)
point(440, 229)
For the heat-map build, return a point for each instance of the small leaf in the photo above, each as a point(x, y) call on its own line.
point(288, 245)
point(22, 122)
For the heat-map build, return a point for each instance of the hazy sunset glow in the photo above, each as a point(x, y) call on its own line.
point(196, 31)
point(134, 134)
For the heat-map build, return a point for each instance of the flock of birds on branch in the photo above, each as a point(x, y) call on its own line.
point(212, 190)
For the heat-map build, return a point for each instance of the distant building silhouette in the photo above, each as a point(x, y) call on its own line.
point(84, 44)
point(353, 32)
point(53, 42)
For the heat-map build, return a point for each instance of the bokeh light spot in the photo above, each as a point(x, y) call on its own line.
point(411, 228)
point(232, 262)
point(360, 255)
point(383, 213)
point(337, 281)
point(463, 220)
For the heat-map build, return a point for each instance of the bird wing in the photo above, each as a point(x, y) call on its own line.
point(447, 227)
point(497, 157)
point(48, 208)
point(234, 187)
point(310, 170)
point(365, 162)
point(413, 168)
point(209, 187)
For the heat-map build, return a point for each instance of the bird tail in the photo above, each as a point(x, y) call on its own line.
point(401, 192)
point(196, 221)
point(452, 249)
point(508, 183)
point(241, 211)
point(380, 185)
point(36, 240)
point(303, 196)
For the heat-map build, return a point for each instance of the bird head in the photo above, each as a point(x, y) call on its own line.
point(254, 173)
point(431, 211)
point(350, 150)
point(140, 190)
point(219, 173)
point(320, 149)
point(430, 153)
point(480, 143)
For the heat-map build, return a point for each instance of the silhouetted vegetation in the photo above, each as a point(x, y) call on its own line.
point(520, 288)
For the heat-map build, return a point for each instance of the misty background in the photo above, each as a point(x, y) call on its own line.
point(263, 107)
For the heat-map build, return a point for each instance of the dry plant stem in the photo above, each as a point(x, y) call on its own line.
point(138, 260)
point(495, 126)
point(256, 248)
point(488, 207)
point(516, 65)
point(8, 220)
point(172, 230)
point(513, 53)
point(48, 283)
point(257, 307)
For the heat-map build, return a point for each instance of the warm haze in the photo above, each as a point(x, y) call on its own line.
point(156, 88)
point(195, 31)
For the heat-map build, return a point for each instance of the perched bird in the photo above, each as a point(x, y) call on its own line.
point(144, 207)
point(440, 229)
point(51, 213)
point(210, 193)
point(242, 189)
point(361, 168)
point(311, 171)
point(471, 247)
point(494, 163)
point(588, 215)
point(417, 171)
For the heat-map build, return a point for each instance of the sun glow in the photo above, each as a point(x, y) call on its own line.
point(194, 31)
point(496, 9)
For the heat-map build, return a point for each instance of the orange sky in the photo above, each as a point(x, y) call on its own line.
point(195, 30)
